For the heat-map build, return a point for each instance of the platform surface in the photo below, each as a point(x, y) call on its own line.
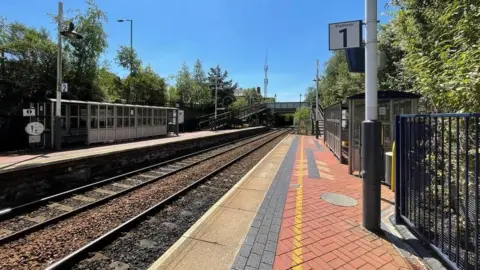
point(21, 161)
point(297, 209)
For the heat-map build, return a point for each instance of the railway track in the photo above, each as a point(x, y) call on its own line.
point(38, 248)
point(21, 220)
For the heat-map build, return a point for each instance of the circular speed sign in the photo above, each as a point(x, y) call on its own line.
point(34, 128)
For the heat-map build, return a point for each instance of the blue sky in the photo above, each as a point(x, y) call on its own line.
point(232, 33)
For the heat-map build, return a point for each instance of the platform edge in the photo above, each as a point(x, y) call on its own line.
point(185, 236)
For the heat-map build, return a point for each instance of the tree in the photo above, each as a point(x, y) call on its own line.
point(110, 84)
point(150, 87)
point(128, 59)
point(201, 91)
point(310, 95)
point(337, 82)
point(184, 86)
point(172, 95)
point(302, 114)
point(225, 93)
point(82, 56)
point(249, 96)
point(441, 54)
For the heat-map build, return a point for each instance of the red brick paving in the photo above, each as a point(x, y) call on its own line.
point(330, 236)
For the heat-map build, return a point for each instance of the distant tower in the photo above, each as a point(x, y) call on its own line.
point(265, 81)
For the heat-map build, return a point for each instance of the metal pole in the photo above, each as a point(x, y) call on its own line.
point(216, 90)
point(371, 128)
point(58, 108)
point(274, 108)
point(316, 104)
point(131, 60)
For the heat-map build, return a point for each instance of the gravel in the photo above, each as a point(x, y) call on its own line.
point(41, 248)
point(130, 182)
point(47, 212)
point(146, 242)
point(73, 202)
point(94, 194)
point(17, 224)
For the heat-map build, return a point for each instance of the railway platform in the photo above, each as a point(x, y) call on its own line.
point(11, 162)
point(31, 177)
point(297, 209)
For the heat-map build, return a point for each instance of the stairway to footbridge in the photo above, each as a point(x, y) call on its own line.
point(251, 113)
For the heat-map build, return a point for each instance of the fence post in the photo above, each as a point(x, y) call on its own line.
point(398, 169)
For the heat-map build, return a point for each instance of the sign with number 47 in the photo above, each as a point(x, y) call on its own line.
point(345, 35)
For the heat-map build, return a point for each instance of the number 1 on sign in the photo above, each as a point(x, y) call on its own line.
point(344, 32)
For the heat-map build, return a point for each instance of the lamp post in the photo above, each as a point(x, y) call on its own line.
point(69, 33)
point(216, 90)
point(131, 50)
point(274, 108)
point(316, 103)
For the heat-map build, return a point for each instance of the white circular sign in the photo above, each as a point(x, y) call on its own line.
point(34, 128)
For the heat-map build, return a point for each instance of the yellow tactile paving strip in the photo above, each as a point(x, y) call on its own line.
point(214, 240)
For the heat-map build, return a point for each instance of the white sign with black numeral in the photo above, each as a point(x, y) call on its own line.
point(28, 112)
point(345, 35)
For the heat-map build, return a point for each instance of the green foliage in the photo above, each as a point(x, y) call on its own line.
point(226, 89)
point(128, 59)
point(110, 84)
point(192, 89)
point(248, 96)
point(310, 95)
point(150, 88)
point(302, 120)
point(441, 52)
point(201, 90)
point(252, 95)
point(29, 65)
point(301, 114)
point(172, 95)
point(337, 82)
point(238, 103)
point(82, 56)
point(184, 85)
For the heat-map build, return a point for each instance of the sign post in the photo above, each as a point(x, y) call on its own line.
point(348, 35)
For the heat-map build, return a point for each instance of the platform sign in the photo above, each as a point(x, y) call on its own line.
point(64, 87)
point(28, 112)
point(34, 139)
point(345, 35)
point(34, 128)
point(181, 117)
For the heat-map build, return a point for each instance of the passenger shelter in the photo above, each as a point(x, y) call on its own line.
point(343, 123)
point(88, 122)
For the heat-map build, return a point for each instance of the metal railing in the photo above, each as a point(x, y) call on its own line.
point(240, 113)
point(437, 183)
point(333, 129)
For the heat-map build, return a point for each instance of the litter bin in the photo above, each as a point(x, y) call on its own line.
point(388, 167)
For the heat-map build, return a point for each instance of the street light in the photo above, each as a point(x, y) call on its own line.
point(69, 33)
point(316, 103)
point(131, 50)
point(274, 108)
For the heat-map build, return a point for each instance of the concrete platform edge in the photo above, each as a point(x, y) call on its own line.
point(171, 251)
point(66, 160)
point(409, 246)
